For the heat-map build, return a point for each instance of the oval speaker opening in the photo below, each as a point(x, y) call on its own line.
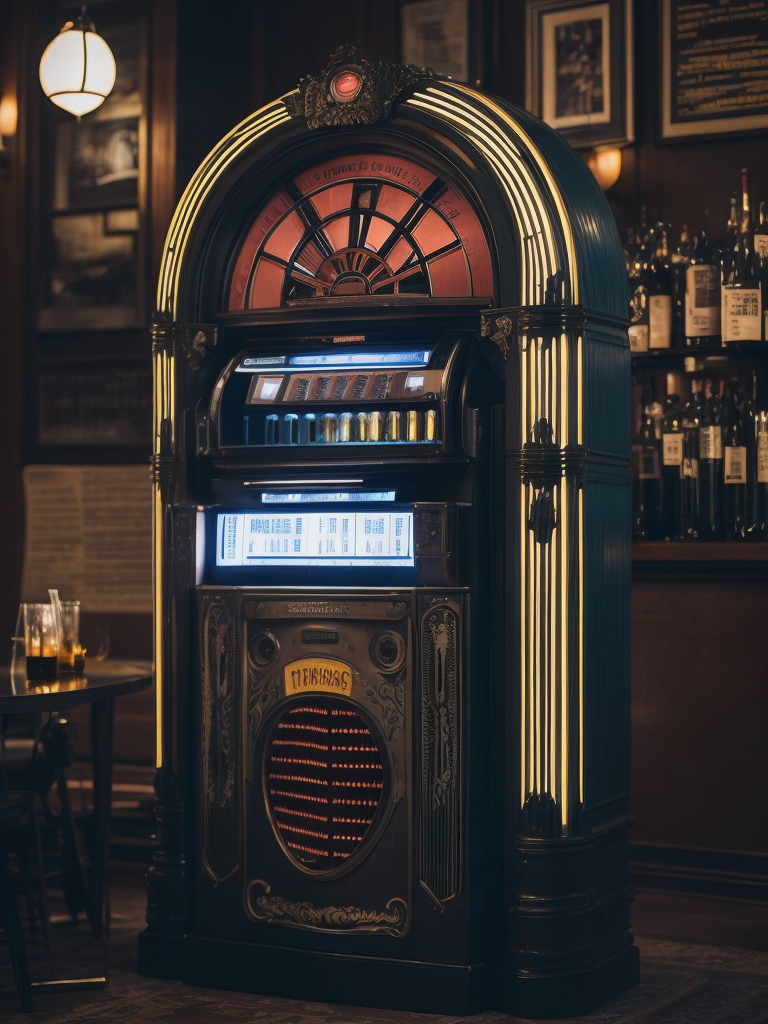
point(324, 776)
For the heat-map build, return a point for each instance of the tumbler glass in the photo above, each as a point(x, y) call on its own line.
point(40, 641)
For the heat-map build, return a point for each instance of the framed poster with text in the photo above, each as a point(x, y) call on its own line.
point(714, 68)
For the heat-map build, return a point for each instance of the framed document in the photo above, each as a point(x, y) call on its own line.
point(579, 73)
point(714, 68)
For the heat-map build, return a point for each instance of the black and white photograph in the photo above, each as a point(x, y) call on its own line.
point(97, 164)
point(92, 279)
point(579, 74)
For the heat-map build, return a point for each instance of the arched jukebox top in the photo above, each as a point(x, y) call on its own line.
point(379, 180)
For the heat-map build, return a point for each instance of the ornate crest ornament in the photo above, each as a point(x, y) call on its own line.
point(351, 90)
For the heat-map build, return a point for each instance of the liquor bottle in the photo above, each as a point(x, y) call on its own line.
point(660, 293)
point(741, 312)
point(690, 495)
point(735, 513)
point(646, 475)
point(679, 261)
point(671, 458)
point(761, 255)
point(639, 306)
point(761, 458)
point(711, 464)
point(702, 295)
point(748, 407)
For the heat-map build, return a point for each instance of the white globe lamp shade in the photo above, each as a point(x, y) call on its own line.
point(77, 70)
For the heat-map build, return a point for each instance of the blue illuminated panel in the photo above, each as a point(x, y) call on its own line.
point(314, 497)
point(338, 360)
point(329, 538)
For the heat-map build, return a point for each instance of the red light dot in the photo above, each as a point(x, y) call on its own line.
point(346, 85)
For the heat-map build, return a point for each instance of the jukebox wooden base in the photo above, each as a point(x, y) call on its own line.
point(388, 984)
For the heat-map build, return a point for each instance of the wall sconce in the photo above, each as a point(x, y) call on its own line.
point(8, 118)
point(605, 164)
point(77, 70)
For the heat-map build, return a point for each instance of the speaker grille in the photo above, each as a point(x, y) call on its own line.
point(325, 776)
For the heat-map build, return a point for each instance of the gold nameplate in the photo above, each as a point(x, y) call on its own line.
point(317, 675)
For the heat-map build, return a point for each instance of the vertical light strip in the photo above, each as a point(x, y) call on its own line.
point(526, 768)
point(565, 440)
point(159, 619)
point(580, 528)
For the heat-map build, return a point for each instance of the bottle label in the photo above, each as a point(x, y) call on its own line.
point(702, 301)
point(689, 469)
point(638, 338)
point(761, 245)
point(672, 448)
point(735, 465)
point(646, 463)
point(742, 317)
point(660, 321)
point(711, 443)
point(762, 457)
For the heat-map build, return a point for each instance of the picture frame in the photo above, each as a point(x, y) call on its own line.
point(97, 164)
point(93, 280)
point(435, 34)
point(579, 75)
point(714, 73)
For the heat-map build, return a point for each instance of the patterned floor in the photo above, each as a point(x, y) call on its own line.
point(680, 983)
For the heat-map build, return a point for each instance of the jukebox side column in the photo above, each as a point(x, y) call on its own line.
point(566, 877)
point(168, 909)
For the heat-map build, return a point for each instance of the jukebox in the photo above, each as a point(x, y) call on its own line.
point(392, 559)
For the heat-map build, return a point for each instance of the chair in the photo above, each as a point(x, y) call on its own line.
point(19, 814)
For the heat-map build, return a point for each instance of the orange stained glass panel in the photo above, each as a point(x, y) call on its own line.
point(328, 201)
point(432, 232)
point(449, 274)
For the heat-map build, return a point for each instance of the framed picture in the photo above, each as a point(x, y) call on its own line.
point(93, 278)
point(435, 34)
point(714, 69)
point(97, 164)
point(580, 70)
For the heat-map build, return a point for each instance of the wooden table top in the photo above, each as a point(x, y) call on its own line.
point(113, 677)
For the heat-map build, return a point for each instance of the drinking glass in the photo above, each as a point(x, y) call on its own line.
point(40, 641)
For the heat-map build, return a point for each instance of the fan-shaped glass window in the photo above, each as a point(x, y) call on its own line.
point(372, 225)
point(324, 781)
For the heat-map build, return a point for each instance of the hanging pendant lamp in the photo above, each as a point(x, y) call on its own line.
point(77, 70)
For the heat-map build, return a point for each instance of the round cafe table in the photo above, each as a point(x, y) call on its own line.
point(100, 685)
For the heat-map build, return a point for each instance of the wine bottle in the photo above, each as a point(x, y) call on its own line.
point(690, 494)
point(671, 459)
point(679, 261)
point(761, 255)
point(646, 476)
point(735, 513)
point(741, 312)
point(761, 458)
point(702, 295)
point(711, 464)
point(639, 306)
point(660, 293)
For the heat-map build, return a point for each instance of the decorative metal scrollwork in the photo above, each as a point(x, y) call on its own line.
point(440, 846)
point(498, 329)
point(392, 920)
point(352, 89)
